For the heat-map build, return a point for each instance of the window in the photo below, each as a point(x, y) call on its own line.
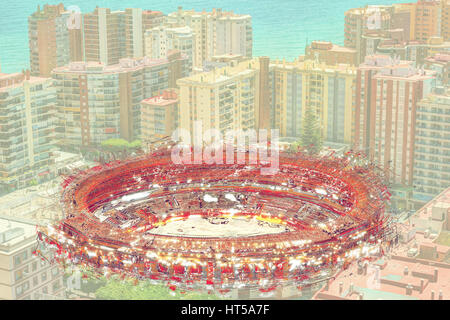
point(56, 286)
point(19, 274)
point(44, 276)
point(22, 288)
point(19, 258)
point(54, 271)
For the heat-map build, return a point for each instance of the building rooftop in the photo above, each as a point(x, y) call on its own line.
point(213, 13)
point(329, 46)
point(49, 12)
point(124, 65)
point(312, 65)
point(224, 74)
point(442, 199)
point(152, 13)
point(168, 97)
point(40, 203)
point(389, 68)
point(439, 58)
point(185, 30)
point(15, 231)
point(14, 80)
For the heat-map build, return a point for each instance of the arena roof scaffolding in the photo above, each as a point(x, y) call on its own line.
point(222, 226)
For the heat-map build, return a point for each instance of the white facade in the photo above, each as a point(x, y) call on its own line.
point(216, 33)
point(23, 276)
point(160, 40)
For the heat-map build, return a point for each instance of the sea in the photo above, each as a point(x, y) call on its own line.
point(281, 28)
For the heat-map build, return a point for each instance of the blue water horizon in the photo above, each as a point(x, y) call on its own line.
point(281, 28)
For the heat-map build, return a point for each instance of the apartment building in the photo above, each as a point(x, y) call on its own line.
point(160, 40)
point(432, 146)
point(397, 25)
point(327, 89)
point(23, 276)
point(427, 19)
point(445, 20)
point(330, 54)
point(359, 20)
point(226, 98)
point(217, 32)
point(403, 19)
point(104, 35)
point(441, 64)
point(137, 22)
point(412, 50)
point(386, 99)
point(27, 110)
point(98, 102)
point(112, 35)
point(51, 43)
point(160, 115)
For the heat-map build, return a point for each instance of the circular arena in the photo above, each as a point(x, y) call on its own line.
point(221, 226)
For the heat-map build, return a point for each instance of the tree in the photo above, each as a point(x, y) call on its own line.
point(115, 145)
point(120, 148)
point(293, 147)
point(126, 290)
point(135, 145)
point(311, 137)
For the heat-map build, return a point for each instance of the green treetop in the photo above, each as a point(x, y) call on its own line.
point(311, 137)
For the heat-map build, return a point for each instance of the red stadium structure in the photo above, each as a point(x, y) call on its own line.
point(142, 218)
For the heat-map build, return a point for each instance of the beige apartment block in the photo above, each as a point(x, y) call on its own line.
point(226, 98)
point(23, 276)
point(112, 35)
point(445, 20)
point(424, 18)
point(159, 115)
point(51, 43)
point(359, 20)
point(327, 89)
point(397, 25)
point(428, 19)
point(330, 54)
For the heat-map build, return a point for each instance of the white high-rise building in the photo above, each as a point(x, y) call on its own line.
point(216, 33)
point(27, 125)
point(161, 40)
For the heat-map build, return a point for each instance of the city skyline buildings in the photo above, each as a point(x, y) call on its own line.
point(142, 82)
point(217, 38)
point(97, 102)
